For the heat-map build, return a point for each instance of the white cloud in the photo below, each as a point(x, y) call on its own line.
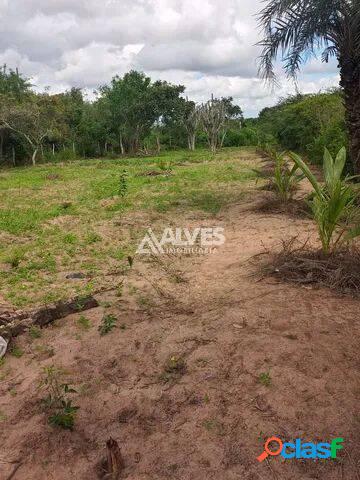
point(207, 45)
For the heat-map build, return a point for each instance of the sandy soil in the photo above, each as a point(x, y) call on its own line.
point(229, 325)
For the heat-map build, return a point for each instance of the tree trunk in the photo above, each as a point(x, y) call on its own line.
point(350, 81)
point(121, 144)
point(1, 144)
point(53, 149)
point(13, 156)
point(191, 141)
point(158, 143)
point(33, 158)
point(223, 138)
point(73, 147)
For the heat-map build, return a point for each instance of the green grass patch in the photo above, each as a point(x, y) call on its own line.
point(59, 219)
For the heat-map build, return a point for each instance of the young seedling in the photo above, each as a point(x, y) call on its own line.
point(333, 203)
point(57, 402)
point(174, 368)
point(286, 178)
point(123, 183)
point(35, 332)
point(108, 323)
point(17, 352)
point(83, 322)
point(265, 379)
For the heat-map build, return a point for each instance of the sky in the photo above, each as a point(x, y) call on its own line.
point(207, 45)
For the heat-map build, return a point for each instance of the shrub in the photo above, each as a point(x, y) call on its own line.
point(62, 411)
point(243, 137)
point(306, 124)
point(108, 323)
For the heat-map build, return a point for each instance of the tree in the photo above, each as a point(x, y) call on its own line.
point(298, 28)
point(13, 84)
point(213, 118)
point(166, 104)
point(233, 117)
point(33, 121)
point(136, 105)
point(72, 104)
point(14, 88)
point(191, 116)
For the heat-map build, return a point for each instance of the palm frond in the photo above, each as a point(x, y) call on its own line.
point(296, 29)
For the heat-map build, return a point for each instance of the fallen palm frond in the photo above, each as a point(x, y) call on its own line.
point(293, 207)
point(299, 264)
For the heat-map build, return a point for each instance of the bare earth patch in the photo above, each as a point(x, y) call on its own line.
point(179, 382)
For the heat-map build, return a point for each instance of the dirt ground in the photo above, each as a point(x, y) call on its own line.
point(232, 327)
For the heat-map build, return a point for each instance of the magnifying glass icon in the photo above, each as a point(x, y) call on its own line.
point(267, 451)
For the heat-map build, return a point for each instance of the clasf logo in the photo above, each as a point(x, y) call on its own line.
point(300, 449)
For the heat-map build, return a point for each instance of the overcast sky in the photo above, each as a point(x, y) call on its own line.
point(206, 45)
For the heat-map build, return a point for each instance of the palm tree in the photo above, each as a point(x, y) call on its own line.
point(299, 29)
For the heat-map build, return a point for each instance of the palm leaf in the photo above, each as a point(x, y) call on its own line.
point(339, 163)
point(307, 172)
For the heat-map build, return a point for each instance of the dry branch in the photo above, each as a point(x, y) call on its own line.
point(13, 323)
point(301, 265)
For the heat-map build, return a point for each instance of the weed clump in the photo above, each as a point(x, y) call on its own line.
point(265, 379)
point(83, 322)
point(108, 323)
point(174, 368)
point(57, 403)
point(35, 332)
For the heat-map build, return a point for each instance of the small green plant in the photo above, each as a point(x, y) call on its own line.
point(123, 183)
point(83, 322)
point(44, 351)
point(92, 237)
point(70, 238)
point(15, 257)
point(17, 352)
point(333, 203)
point(108, 323)
point(57, 402)
point(13, 392)
point(265, 379)
point(269, 151)
point(174, 368)
point(285, 179)
point(2, 416)
point(35, 332)
point(165, 166)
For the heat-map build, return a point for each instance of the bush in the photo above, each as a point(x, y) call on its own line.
point(63, 155)
point(243, 137)
point(306, 124)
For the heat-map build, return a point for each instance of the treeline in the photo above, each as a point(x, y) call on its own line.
point(132, 115)
point(305, 123)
